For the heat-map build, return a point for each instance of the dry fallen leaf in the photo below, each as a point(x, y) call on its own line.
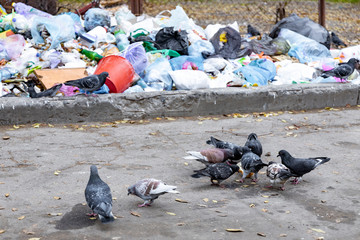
point(283, 235)
point(234, 230)
point(6, 137)
point(186, 164)
point(214, 201)
point(205, 199)
point(54, 214)
point(7, 194)
point(92, 218)
point(2, 231)
point(181, 224)
point(283, 120)
point(57, 172)
point(287, 212)
point(21, 218)
point(264, 210)
point(252, 205)
point(36, 125)
point(170, 213)
point(261, 234)
point(317, 230)
point(14, 209)
point(135, 214)
point(180, 200)
point(170, 119)
point(265, 196)
point(34, 239)
point(28, 232)
point(57, 198)
point(266, 201)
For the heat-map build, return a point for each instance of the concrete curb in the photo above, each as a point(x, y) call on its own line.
point(147, 105)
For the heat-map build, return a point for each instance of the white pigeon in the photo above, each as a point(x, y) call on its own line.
point(150, 189)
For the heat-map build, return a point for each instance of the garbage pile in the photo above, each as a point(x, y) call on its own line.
point(46, 55)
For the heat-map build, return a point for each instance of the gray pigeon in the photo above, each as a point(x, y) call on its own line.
point(300, 166)
point(250, 163)
point(343, 70)
point(217, 171)
point(254, 144)
point(252, 31)
point(90, 83)
point(98, 197)
point(278, 173)
point(210, 156)
point(236, 149)
point(51, 92)
point(336, 40)
point(150, 189)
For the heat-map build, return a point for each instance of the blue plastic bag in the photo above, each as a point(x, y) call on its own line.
point(157, 75)
point(303, 48)
point(61, 29)
point(201, 46)
point(186, 62)
point(259, 71)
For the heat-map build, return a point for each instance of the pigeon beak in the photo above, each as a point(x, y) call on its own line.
point(128, 193)
point(278, 155)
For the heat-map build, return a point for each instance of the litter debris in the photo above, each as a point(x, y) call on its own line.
point(166, 52)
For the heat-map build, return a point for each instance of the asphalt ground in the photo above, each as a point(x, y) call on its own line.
point(44, 169)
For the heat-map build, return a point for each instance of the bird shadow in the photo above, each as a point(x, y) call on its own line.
point(76, 219)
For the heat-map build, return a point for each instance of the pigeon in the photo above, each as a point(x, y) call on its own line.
point(343, 70)
point(250, 163)
point(90, 83)
point(300, 166)
point(336, 40)
point(217, 171)
point(98, 197)
point(211, 155)
point(150, 189)
point(253, 31)
point(254, 144)
point(236, 149)
point(51, 92)
point(278, 173)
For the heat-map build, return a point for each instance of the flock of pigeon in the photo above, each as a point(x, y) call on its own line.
point(221, 161)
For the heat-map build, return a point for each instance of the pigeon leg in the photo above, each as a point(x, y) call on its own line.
point(147, 203)
point(255, 179)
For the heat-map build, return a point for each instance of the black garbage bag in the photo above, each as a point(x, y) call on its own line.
point(168, 38)
point(227, 42)
point(303, 26)
point(264, 45)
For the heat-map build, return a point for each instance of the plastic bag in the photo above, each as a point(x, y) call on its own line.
point(187, 62)
point(259, 71)
point(136, 55)
point(303, 26)
point(96, 17)
point(12, 47)
point(61, 29)
point(350, 52)
point(303, 48)
point(201, 46)
point(168, 38)
point(157, 75)
point(189, 79)
point(227, 42)
point(288, 73)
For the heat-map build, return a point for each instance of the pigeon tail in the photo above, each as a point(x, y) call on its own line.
point(195, 155)
point(321, 160)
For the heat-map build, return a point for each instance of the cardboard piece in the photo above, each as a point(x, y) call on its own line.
point(50, 77)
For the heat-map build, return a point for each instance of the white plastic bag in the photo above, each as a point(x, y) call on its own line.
point(189, 79)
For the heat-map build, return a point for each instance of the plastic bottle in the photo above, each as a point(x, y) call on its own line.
point(91, 55)
point(7, 73)
point(121, 39)
point(26, 10)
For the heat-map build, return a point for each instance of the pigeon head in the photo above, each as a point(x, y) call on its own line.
point(105, 74)
point(234, 167)
point(252, 136)
point(271, 162)
point(93, 170)
point(283, 153)
point(131, 190)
